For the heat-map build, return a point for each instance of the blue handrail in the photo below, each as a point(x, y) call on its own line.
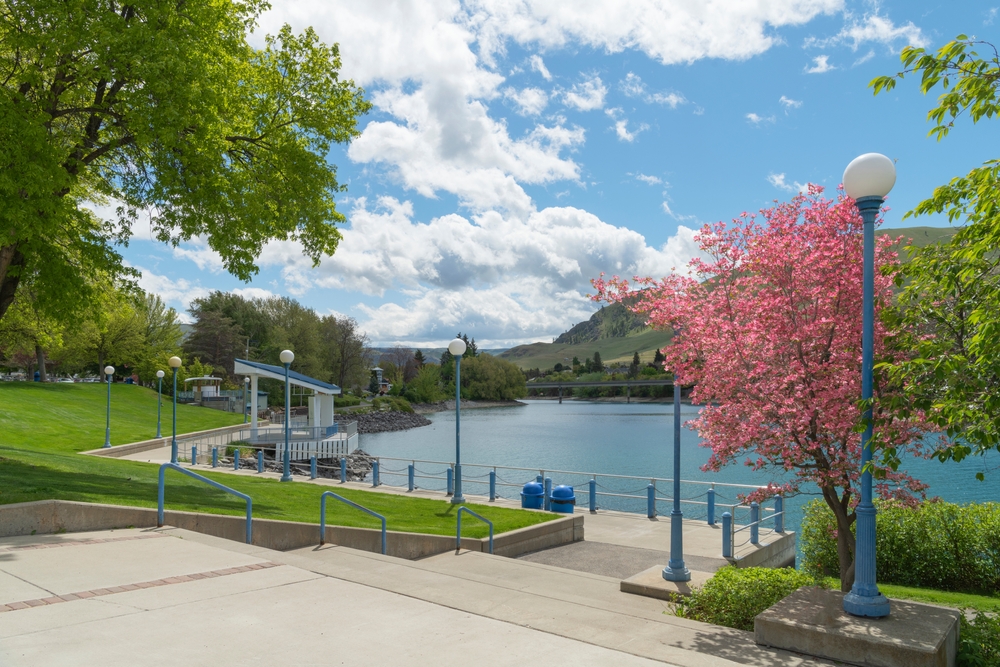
point(458, 532)
point(322, 515)
point(201, 478)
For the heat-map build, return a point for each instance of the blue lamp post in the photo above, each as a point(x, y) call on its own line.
point(867, 179)
point(246, 406)
point(457, 349)
point(676, 570)
point(159, 400)
point(287, 357)
point(175, 363)
point(109, 371)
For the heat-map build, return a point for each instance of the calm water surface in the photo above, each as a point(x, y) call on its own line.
point(615, 438)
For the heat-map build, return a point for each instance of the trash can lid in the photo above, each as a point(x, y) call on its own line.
point(562, 492)
point(532, 489)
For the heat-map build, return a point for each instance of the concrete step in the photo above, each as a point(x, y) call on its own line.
point(576, 605)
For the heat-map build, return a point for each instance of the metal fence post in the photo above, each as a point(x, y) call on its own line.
point(215, 457)
point(727, 535)
point(548, 494)
point(343, 469)
point(375, 472)
point(593, 495)
point(260, 460)
point(779, 516)
point(409, 477)
point(493, 485)
point(711, 506)
point(236, 460)
point(194, 455)
point(754, 523)
point(450, 482)
point(312, 467)
point(651, 501)
point(540, 478)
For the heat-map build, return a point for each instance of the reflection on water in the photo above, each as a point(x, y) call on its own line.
point(625, 439)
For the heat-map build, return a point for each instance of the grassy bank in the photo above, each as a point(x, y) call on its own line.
point(988, 603)
point(43, 426)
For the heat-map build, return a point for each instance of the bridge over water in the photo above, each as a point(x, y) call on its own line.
point(628, 384)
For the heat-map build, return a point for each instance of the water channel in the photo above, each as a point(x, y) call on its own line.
point(619, 439)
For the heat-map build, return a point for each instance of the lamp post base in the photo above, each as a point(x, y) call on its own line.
point(456, 499)
point(676, 574)
point(868, 606)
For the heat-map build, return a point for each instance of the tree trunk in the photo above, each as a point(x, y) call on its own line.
point(845, 538)
point(40, 356)
point(10, 259)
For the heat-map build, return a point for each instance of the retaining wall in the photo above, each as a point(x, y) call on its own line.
point(55, 516)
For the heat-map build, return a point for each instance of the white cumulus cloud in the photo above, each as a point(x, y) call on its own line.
point(789, 103)
point(633, 86)
point(873, 28)
point(778, 181)
point(538, 65)
point(821, 64)
point(586, 95)
point(757, 119)
point(529, 101)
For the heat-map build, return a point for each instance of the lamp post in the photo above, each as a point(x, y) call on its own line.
point(246, 408)
point(108, 371)
point(676, 570)
point(159, 400)
point(287, 357)
point(457, 349)
point(175, 363)
point(867, 179)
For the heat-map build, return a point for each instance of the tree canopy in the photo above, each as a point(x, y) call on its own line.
point(164, 111)
point(949, 308)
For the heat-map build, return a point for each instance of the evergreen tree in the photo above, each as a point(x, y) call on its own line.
point(658, 359)
point(419, 357)
point(598, 364)
point(633, 369)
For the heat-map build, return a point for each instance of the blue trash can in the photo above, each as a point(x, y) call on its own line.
point(563, 499)
point(532, 496)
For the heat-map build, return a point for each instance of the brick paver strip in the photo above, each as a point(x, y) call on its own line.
point(111, 590)
point(82, 542)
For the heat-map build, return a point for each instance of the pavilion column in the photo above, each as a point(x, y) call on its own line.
point(253, 407)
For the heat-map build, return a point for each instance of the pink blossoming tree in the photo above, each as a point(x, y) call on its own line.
point(768, 330)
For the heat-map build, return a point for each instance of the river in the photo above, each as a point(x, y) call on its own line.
point(619, 439)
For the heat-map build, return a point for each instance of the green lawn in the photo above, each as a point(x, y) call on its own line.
point(989, 603)
point(67, 417)
point(43, 426)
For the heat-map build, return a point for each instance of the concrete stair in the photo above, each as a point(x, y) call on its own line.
point(577, 605)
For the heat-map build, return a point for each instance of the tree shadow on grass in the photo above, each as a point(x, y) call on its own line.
point(25, 482)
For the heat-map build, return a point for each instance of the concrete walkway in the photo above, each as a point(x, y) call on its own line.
point(168, 596)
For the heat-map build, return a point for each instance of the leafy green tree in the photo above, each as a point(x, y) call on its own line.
point(161, 107)
point(28, 332)
point(216, 339)
point(948, 315)
point(489, 378)
point(345, 349)
point(161, 334)
point(426, 387)
point(111, 334)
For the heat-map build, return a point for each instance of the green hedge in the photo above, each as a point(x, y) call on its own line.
point(734, 596)
point(392, 403)
point(346, 401)
point(935, 545)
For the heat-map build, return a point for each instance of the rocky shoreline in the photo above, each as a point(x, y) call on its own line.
point(443, 406)
point(384, 422)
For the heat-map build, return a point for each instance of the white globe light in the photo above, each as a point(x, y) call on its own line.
point(109, 370)
point(457, 347)
point(287, 356)
point(159, 374)
point(869, 175)
point(247, 380)
point(175, 362)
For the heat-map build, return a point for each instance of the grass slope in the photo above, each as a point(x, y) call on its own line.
point(42, 426)
point(985, 603)
point(613, 350)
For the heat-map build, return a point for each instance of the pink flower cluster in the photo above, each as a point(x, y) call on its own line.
point(769, 333)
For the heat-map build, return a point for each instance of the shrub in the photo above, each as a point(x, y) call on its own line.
point(346, 401)
point(392, 403)
point(934, 545)
point(734, 596)
point(979, 641)
point(425, 388)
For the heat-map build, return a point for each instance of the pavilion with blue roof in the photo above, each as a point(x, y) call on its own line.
point(320, 403)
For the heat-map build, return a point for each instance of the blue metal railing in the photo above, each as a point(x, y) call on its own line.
point(322, 515)
point(201, 478)
point(458, 530)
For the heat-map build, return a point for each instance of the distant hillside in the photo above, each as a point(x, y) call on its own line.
point(617, 333)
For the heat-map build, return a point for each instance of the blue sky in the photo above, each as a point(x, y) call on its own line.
point(518, 149)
